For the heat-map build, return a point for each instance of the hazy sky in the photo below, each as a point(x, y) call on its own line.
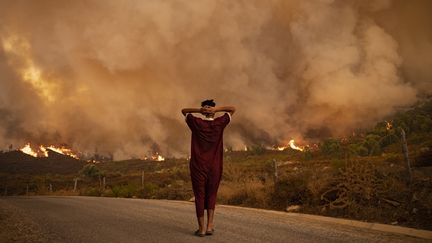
point(114, 75)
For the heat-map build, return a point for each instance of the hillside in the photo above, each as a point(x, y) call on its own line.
point(363, 176)
point(17, 162)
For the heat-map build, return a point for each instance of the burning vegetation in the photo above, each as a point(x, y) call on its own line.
point(291, 145)
point(42, 151)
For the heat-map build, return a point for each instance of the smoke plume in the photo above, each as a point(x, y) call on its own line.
point(113, 75)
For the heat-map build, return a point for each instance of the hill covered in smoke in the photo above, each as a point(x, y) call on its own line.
point(113, 75)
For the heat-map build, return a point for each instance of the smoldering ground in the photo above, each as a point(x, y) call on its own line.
point(113, 75)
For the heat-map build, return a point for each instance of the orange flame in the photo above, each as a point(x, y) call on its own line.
point(28, 150)
point(293, 146)
point(290, 145)
point(281, 148)
point(43, 151)
point(389, 125)
point(63, 150)
point(157, 157)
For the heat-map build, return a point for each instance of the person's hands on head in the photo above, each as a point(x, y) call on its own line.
point(207, 110)
point(203, 110)
point(211, 110)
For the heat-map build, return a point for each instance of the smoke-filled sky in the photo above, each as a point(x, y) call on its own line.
point(113, 75)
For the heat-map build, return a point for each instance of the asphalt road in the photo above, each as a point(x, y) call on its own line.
point(95, 219)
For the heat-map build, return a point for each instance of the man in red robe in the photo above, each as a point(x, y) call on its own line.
point(206, 158)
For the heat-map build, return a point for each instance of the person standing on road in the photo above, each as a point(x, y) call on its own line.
point(206, 160)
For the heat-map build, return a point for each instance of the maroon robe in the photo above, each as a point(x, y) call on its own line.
point(206, 159)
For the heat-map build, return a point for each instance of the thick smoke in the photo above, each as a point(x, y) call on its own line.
point(113, 75)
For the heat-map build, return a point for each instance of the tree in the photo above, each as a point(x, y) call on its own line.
point(91, 171)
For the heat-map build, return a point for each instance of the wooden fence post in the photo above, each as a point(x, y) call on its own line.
point(142, 179)
point(405, 151)
point(104, 182)
point(27, 190)
point(75, 184)
point(275, 167)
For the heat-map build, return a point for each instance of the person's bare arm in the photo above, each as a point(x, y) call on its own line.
point(192, 110)
point(230, 109)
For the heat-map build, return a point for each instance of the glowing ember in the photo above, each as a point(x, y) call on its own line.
point(293, 146)
point(28, 150)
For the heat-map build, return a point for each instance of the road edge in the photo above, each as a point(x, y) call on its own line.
point(419, 233)
point(424, 234)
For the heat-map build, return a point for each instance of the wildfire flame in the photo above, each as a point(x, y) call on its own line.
point(389, 125)
point(293, 146)
point(63, 150)
point(290, 144)
point(43, 151)
point(157, 157)
point(28, 150)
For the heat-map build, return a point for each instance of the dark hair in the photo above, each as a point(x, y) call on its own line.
point(208, 103)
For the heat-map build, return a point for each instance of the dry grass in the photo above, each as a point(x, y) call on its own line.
point(252, 193)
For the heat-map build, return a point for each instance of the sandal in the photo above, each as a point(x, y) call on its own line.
point(210, 232)
point(198, 233)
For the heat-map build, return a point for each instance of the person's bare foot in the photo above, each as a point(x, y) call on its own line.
point(200, 233)
point(209, 232)
point(210, 229)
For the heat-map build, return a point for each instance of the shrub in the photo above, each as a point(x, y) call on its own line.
point(291, 190)
point(149, 190)
point(331, 147)
point(124, 191)
point(91, 171)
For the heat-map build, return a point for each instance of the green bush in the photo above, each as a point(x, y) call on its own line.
point(331, 147)
point(292, 190)
point(149, 190)
point(371, 142)
point(357, 150)
point(124, 190)
point(91, 171)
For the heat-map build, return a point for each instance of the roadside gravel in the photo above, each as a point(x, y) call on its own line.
point(16, 227)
